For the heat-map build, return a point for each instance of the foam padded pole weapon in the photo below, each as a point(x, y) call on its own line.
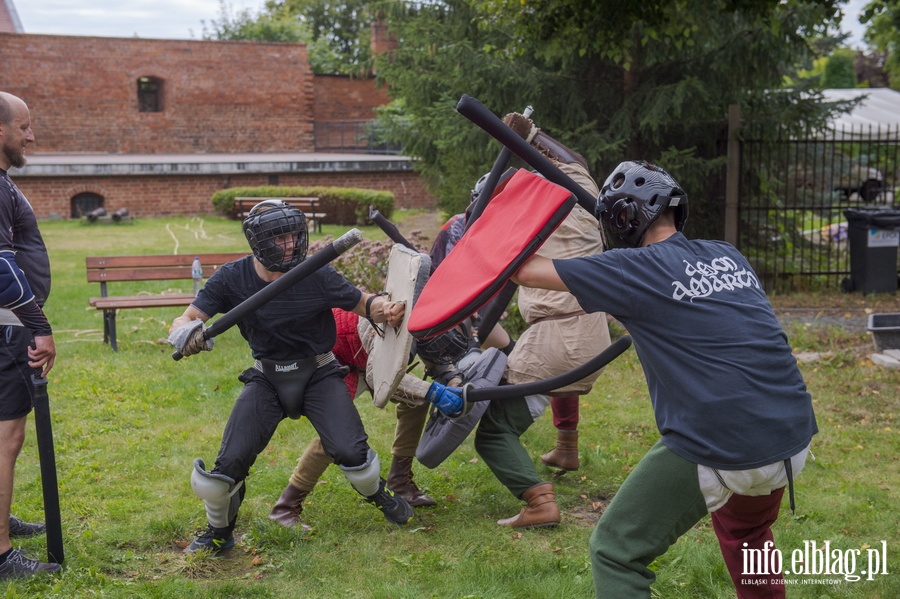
point(479, 114)
point(49, 483)
point(555, 382)
point(281, 284)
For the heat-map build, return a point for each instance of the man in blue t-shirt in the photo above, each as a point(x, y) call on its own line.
point(730, 403)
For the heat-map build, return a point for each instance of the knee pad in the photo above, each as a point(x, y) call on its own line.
point(220, 494)
point(366, 479)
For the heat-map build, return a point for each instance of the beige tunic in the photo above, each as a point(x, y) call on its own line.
point(560, 335)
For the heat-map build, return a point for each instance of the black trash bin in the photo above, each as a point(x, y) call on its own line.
point(874, 236)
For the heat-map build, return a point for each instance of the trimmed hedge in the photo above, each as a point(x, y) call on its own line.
point(346, 206)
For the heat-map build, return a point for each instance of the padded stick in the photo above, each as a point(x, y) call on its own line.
point(493, 177)
point(479, 114)
point(281, 284)
point(49, 483)
point(555, 382)
point(389, 228)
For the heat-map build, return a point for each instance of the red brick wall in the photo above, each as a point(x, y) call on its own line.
point(189, 195)
point(217, 96)
point(343, 98)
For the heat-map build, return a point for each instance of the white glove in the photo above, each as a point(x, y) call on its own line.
point(188, 338)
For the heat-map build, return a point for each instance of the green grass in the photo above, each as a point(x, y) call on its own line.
point(128, 425)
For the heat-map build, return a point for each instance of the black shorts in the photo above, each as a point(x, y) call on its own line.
point(16, 397)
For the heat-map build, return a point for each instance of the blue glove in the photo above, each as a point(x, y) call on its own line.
point(448, 400)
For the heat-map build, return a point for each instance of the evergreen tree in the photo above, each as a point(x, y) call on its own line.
point(614, 80)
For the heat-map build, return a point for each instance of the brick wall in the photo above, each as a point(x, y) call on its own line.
point(217, 96)
point(189, 195)
point(343, 98)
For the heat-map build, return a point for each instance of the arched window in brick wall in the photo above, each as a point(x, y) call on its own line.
point(85, 202)
point(149, 94)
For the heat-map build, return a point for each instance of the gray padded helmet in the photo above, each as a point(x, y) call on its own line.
point(266, 223)
point(635, 195)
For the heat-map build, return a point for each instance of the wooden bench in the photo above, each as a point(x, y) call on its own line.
point(108, 269)
point(309, 206)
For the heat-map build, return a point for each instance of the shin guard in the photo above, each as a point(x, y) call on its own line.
point(220, 495)
point(367, 477)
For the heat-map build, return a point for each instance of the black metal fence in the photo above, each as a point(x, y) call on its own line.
point(352, 136)
point(793, 194)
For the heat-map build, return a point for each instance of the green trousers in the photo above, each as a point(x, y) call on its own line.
point(497, 442)
point(658, 502)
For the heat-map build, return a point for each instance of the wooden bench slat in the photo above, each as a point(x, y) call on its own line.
point(142, 301)
point(148, 267)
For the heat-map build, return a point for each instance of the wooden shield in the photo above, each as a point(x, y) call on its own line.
point(511, 229)
point(407, 274)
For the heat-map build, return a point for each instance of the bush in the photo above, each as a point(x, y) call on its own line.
point(346, 206)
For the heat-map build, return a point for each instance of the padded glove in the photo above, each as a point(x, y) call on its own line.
point(448, 400)
point(188, 338)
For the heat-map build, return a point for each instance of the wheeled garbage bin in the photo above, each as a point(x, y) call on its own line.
point(874, 236)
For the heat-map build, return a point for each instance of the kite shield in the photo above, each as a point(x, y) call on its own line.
point(408, 272)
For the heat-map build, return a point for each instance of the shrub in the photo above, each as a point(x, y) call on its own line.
point(346, 206)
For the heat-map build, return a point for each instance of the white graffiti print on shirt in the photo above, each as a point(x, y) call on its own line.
point(719, 275)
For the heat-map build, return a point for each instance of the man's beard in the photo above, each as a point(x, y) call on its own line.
point(15, 156)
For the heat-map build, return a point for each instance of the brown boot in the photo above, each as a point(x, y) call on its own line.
point(565, 455)
point(540, 511)
point(400, 482)
point(287, 509)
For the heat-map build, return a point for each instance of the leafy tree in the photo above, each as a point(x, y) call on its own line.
point(613, 80)
point(840, 72)
point(269, 26)
point(339, 33)
point(883, 33)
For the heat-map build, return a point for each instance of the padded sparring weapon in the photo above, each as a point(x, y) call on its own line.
point(479, 114)
point(49, 483)
point(493, 177)
point(555, 382)
point(389, 228)
point(281, 284)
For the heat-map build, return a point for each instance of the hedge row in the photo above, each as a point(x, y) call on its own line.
point(346, 206)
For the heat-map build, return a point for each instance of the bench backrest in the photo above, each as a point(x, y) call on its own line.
point(243, 205)
point(154, 267)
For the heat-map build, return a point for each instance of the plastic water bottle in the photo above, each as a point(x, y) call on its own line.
point(197, 274)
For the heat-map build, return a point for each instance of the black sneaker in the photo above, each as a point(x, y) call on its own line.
point(20, 564)
point(18, 528)
point(214, 540)
point(394, 507)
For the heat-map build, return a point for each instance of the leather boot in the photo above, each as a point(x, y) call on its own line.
point(540, 511)
point(565, 455)
point(400, 482)
point(287, 509)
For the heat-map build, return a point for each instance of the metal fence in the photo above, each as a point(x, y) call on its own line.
point(352, 136)
point(793, 194)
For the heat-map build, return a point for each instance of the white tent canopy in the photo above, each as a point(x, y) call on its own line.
point(877, 116)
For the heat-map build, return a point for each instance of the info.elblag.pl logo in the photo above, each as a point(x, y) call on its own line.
point(817, 559)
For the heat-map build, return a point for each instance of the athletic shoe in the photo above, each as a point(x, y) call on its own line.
point(18, 528)
point(20, 564)
point(215, 540)
point(394, 507)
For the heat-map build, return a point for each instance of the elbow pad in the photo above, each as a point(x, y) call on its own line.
point(14, 289)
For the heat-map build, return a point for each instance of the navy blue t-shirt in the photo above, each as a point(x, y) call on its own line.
point(726, 389)
point(296, 324)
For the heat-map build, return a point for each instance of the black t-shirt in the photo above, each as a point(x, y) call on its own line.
point(21, 238)
point(296, 324)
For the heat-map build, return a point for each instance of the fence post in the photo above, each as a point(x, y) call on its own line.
point(733, 175)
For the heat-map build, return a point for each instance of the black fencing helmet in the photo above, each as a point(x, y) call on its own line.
point(447, 348)
point(634, 196)
point(266, 228)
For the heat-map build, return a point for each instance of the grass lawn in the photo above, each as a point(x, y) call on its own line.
point(128, 426)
